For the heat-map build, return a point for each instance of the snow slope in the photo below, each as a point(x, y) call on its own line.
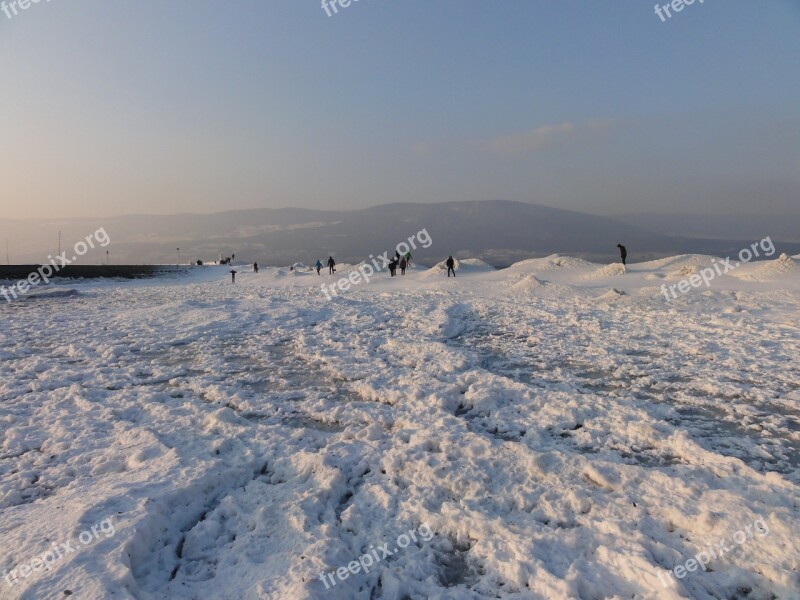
point(562, 428)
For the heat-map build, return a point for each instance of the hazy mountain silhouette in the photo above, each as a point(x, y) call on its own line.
point(500, 232)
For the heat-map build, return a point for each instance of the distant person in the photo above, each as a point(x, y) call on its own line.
point(331, 266)
point(318, 266)
point(393, 266)
point(199, 263)
point(623, 252)
point(451, 266)
point(255, 267)
point(233, 276)
point(403, 265)
point(408, 259)
point(233, 257)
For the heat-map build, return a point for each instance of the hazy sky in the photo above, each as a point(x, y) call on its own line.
point(121, 107)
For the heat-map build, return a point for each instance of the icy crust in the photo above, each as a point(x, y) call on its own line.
point(562, 439)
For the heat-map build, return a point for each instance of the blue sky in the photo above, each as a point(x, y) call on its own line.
point(164, 107)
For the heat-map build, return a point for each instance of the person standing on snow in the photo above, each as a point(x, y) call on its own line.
point(623, 252)
point(318, 266)
point(408, 259)
point(255, 267)
point(451, 266)
point(393, 266)
point(233, 276)
point(331, 266)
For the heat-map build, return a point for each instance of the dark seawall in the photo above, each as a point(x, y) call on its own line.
point(20, 272)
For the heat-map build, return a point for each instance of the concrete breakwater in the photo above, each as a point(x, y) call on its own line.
point(20, 272)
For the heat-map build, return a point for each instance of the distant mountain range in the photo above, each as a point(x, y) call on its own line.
point(500, 232)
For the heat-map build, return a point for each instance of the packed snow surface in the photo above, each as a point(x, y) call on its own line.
point(558, 429)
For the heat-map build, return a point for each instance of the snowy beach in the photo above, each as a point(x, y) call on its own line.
point(560, 428)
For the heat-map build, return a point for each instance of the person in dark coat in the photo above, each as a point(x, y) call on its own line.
point(451, 266)
point(331, 266)
point(255, 267)
point(393, 266)
point(233, 276)
point(403, 265)
point(623, 252)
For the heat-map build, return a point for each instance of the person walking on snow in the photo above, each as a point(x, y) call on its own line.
point(451, 266)
point(393, 266)
point(255, 267)
point(403, 265)
point(318, 266)
point(331, 266)
point(408, 259)
point(233, 276)
point(623, 252)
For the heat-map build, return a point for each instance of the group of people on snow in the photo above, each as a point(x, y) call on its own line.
point(402, 262)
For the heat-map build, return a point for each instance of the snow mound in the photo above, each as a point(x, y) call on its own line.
point(675, 264)
point(783, 264)
point(552, 262)
point(768, 270)
point(466, 266)
point(528, 283)
point(612, 270)
point(569, 262)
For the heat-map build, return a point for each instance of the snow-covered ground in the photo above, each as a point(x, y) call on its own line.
point(560, 428)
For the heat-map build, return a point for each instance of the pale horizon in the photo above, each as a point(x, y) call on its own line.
point(199, 110)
